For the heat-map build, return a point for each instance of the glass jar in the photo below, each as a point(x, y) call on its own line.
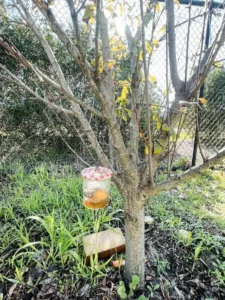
point(96, 186)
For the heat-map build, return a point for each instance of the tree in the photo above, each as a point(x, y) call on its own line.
point(116, 100)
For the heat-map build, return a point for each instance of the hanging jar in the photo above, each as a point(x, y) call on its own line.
point(96, 186)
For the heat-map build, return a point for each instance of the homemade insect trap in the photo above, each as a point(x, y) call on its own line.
point(96, 185)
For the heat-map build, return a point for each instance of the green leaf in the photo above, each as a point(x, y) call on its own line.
point(155, 117)
point(158, 7)
point(173, 135)
point(128, 112)
point(157, 148)
point(124, 117)
point(198, 249)
point(132, 286)
point(148, 47)
point(146, 150)
point(156, 287)
point(118, 113)
point(51, 2)
point(161, 30)
point(158, 125)
point(165, 128)
point(135, 279)
point(142, 297)
point(122, 291)
point(88, 12)
point(152, 78)
point(12, 280)
point(217, 64)
point(121, 9)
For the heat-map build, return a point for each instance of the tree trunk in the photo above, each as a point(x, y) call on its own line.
point(135, 243)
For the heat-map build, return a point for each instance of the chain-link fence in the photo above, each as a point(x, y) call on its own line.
point(196, 24)
point(203, 27)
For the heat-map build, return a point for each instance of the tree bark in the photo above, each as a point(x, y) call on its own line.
point(134, 232)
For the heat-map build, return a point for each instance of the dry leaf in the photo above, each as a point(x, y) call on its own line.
point(152, 78)
point(202, 100)
point(161, 30)
point(111, 63)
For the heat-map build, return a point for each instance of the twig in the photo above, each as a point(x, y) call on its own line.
point(150, 161)
point(180, 24)
point(198, 71)
point(85, 144)
point(179, 178)
point(187, 43)
point(82, 6)
point(167, 97)
point(154, 24)
point(12, 21)
point(97, 55)
point(74, 17)
point(71, 149)
point(24, 86)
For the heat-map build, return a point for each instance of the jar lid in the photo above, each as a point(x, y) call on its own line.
point(96, 173)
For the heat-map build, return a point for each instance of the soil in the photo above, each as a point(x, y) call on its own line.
point(181, 278)
point(171, 273)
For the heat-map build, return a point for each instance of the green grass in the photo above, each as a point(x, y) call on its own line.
point(204, 198)
point(193, 215)
point(43, 222)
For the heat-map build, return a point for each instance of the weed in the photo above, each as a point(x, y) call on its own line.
point(152, 289)
point(220, 272)
point(185, 237)
point(162, 266)
point(122, 292)
point(198, 250)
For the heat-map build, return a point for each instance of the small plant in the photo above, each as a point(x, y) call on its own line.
point(122, 292)
point(185, 237)
point(174, 221)
point(198, 250)
point(220, 272)
point(152, 289)
point(162, 266)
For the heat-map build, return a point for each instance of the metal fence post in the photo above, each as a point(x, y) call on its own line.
point(201, 93)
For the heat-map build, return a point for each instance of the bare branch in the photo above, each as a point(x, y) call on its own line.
point(168, 102)
point(107, 80)
point(76, 111)
point(147, 99)
point(97, 54)
point(12, 21)
point(71, 149)
point(56, 67)
point(74, 53)
point(82, 6)
point(43, 77)
point(178, 179)
point(187, 42)
point(182, 23)
point(44, 100)
point(207, 62)
point(176, 81)
point(74, 17)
